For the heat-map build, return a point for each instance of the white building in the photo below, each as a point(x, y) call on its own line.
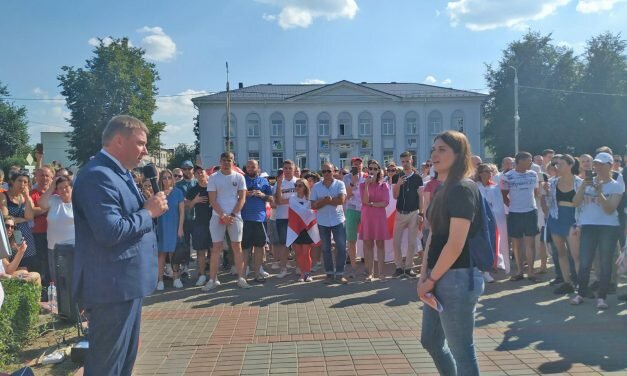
point(313, 123)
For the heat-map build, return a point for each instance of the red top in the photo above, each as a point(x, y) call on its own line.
point(41, 221)
point(432, 185)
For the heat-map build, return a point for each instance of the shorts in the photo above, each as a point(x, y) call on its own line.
point(303, 238)
point(565, 220)
point(272, 232)
point(522, 224)
point(218, 229)
point(254, 234)
point(201, 237)
point(281, 229)
point(353, 218)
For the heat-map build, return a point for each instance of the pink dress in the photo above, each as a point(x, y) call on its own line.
point(373, 219)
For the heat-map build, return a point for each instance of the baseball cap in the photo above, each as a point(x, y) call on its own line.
point(356, 159)
point(187, 164)
point(604, 158)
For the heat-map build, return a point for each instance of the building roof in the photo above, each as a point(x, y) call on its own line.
point(280, 92)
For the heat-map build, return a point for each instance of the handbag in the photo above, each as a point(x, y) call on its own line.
point(181, 252)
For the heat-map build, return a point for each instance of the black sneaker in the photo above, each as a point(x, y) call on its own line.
point(398, 273)
point(556, 281)
point(565, 288)
point(410, 273)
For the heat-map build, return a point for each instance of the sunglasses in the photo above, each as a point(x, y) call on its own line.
point(326, 171)
point(178, 176)
point(391, 170)
point(8, 226)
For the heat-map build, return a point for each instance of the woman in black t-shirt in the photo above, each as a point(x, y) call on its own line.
point(455, 216)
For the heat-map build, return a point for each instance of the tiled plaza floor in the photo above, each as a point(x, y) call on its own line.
point(363, 328)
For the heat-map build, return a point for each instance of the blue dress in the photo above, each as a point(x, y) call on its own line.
point(168, 223)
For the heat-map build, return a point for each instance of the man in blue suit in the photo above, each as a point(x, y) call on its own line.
point(115, 263)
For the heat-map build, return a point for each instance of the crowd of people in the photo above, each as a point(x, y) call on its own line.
point(302, 221)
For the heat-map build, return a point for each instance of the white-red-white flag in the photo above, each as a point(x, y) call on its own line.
point(301, 218)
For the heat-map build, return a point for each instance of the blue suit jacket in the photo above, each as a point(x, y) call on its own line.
point(116, 247)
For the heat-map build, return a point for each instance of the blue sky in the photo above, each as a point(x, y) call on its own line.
point(280, 41)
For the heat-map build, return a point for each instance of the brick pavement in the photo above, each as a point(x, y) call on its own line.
point(365, 328)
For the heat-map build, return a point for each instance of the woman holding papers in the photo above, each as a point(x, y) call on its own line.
point(455, 217)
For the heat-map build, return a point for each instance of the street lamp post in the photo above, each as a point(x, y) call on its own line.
point(516, 117)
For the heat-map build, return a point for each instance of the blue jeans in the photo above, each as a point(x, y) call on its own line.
point(605, 238)
point(339, 235)
point(448, 336)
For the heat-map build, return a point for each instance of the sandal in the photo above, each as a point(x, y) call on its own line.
point(516, 277)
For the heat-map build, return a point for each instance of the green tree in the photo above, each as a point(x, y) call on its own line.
point(197, 134)
point(603, 118)
point(545, 119)
point(182, 153)
point(13, 128)
point(117, 80)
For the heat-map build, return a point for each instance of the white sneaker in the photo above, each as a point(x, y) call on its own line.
point(283, 274)
point(301, 279)
point(233, 270)
point(201, 280)
point(487, 277)
point(211, 285)
point(160, 286)
point(263, 273)
point(177, 284)
point(601, 304)
point(241, 282)
point(308, 278)
point(168, 271)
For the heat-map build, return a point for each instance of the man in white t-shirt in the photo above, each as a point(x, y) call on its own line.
point(520, 189)
point(227, 193)
point(283, 190)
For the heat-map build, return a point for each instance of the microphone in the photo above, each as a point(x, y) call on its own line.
point(150, 173)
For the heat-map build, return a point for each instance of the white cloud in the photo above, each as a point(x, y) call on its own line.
point(95, 42)
point(447, 82)
point(313, 81)
point(178, 113)
point(480, 15)
point(596, 6)
point(430, 80)
point(301, 13)
point(158, 45)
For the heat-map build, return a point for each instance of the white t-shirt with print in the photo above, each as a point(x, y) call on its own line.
point(354, 203)
point(60, 222)
point(226, 188)
point(288, 189)
point(521, 187)
point(591, 211)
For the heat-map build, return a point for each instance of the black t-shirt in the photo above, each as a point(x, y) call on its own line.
point(203, 211)
point(408, 195)
point(462, 201)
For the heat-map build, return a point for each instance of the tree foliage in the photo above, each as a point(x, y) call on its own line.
point(13, 128)
point(117, 80)
point(197, 134)
point(182, 153)
point(554, 113)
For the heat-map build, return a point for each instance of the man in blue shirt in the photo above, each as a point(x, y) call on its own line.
point(258, 192)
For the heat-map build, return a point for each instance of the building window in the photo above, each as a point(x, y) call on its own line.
point(301, 159)
point(233, 125)
point(324, 158)
point(277, 160)
point(365, 124)
point(277, 145)
point(387, 124)
point(388, 157)
point(324, 144)
point(300, 124)
point(253, 128)
point(457, 121)
point(253, 155)
point(434, 124)
point(324, 125)
point(345, 123)
point(230, 146)
point(412, 142)
point(276, 124)
point(411, 123)
point(344, 159)
point(365, 143)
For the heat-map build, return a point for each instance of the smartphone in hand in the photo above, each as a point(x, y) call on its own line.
point(589, 176)
point(354, 170)
point(17, 235)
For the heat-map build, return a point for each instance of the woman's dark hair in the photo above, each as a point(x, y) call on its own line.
point(62, 179)
point(312, 175)
point(13, 177)
point(461, 169)
point(380, 172)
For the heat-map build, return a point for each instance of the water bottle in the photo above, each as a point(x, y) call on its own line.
point(52, 298)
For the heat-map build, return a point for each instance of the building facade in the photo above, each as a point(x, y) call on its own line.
point(311, 124)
